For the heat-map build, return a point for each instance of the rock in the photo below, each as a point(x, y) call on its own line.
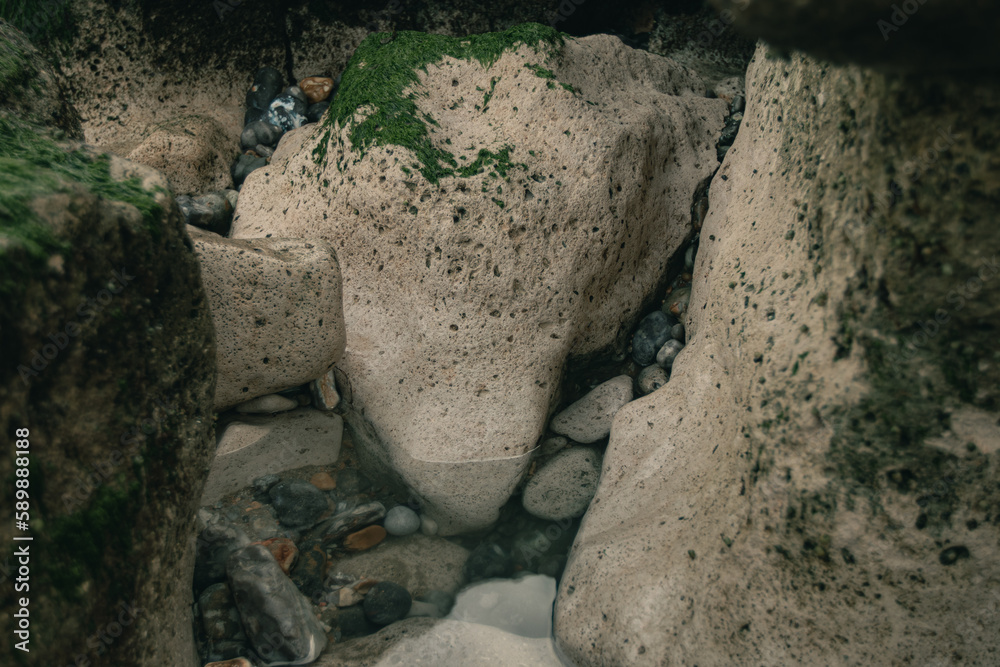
point(352, 622)
point(311, 569)
point(297, 93)
point(728, 135)
point(267, 83)
point(677, 332)
point(543, 547)
point(276, 305)
point(314, 112)
point(521, 607)
point(348, 597)
point(324, 392)
point(191, 151)
point(464, 466)
point(316, 88)
point(417, 562)
point(589, 419)
point(298, 503)
point(264, 483)
point(260, 132)
point(387, 603)
point(284, 551)
point(352, 482)
point(264, 405)
point(248, 449)
point(442, 601)
point(252, 115)
point(342, 523)
point(665, 357)
point(488, 561)
point(287, 112)
point(552, 445)
point(562, 487)
point(428, 526)
point(277, 618)
point(235, 662)
point(365, 538)
point(263, 151)
point(323, 481)
point(651, 378)
point(219, 619)
point(652, 333)
point(213, 211)
point(715, 444)
point(261, 524)
point(244, 165)
point(216, 542)
point(401, 520)
point(738, 105)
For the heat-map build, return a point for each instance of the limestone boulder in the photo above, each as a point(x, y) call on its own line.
point(477, 257)
point(817, 483)
point(276, 305)
point(194, 153)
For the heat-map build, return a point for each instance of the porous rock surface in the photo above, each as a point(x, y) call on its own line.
point(464, 296)
point(194, 153)
point(818, 479)
point(276, 305)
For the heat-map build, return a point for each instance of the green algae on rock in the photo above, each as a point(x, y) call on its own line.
point(379, 73)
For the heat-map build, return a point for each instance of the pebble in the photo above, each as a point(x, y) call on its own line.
point(260, 132)
point(264, 405)
point(342, 523)
point(488, 561)
point(266, 83)
point(651, 378)
point(252, 115)
point(316, 88)
point(401, 520)
point(284, 551)
point(538, 546)
point(297, 93)
point(677, 302)
point(323, 481)
point(738, 105)
point(652, 333)
point(552, 445)
point(298, 503)
point(589, 419)
point(689, 258)
point(308, 573)
point(348, 597)
point(324, 391)
point(263, 151)
point(287, 113)
point(244, 165)
point(563, 487)
point(262, 525)
point(665, 357)
point(353, 623)
point(365, 538)
point(728, 135)
point(210, 211)
point(387, 603)
point(677, 332)
point(428, 526)
point(219, 618)
point(215, 544)
point(232, 196)
point(235, 662)
point(264, 483)
point(351, 482)
point(277, 618)
point(314, 113)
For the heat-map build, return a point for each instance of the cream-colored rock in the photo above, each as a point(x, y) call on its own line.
point(464, 296)
point(811, 486)
point(276, 304)
point(564, 485)
point(418, 563)
point(589, 419)
point(193, 152)
point(268, 404)
point(258, 445)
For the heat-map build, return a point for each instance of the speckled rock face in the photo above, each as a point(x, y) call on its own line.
point(817, 483)
point(277, 312)
point(193, 152)
point(464, 293)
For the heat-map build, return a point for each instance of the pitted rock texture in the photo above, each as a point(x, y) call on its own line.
point(464, 296)
point(276, 305)
point(817, 481)
point(194, 153)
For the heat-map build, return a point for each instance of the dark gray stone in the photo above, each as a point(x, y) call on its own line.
point(387, 603)
point(260, 132)
point(244, 165)
point(215, 544)
point(298, 503)
point(314, 113)
point(488, 561)
point(219, 619)
point(266, 86)
point(652, 333)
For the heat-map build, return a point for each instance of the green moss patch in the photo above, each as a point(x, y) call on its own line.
point(383, 67)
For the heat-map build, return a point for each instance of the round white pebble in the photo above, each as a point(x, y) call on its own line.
point(401, 520)
point(428, 526)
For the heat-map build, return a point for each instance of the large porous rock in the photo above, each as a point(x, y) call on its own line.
point(906, 36)
point(492, 242)
point(106, 390)
point(193, 152)
point(276, 304)
point(818, 480)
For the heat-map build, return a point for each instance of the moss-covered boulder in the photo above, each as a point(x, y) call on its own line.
point(105, 394)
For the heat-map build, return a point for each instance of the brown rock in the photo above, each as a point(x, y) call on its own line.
point(323, 481)
point(316, 88)
point(364, 585)
point(365, 538)
point(283, 550)
point(348, 597)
